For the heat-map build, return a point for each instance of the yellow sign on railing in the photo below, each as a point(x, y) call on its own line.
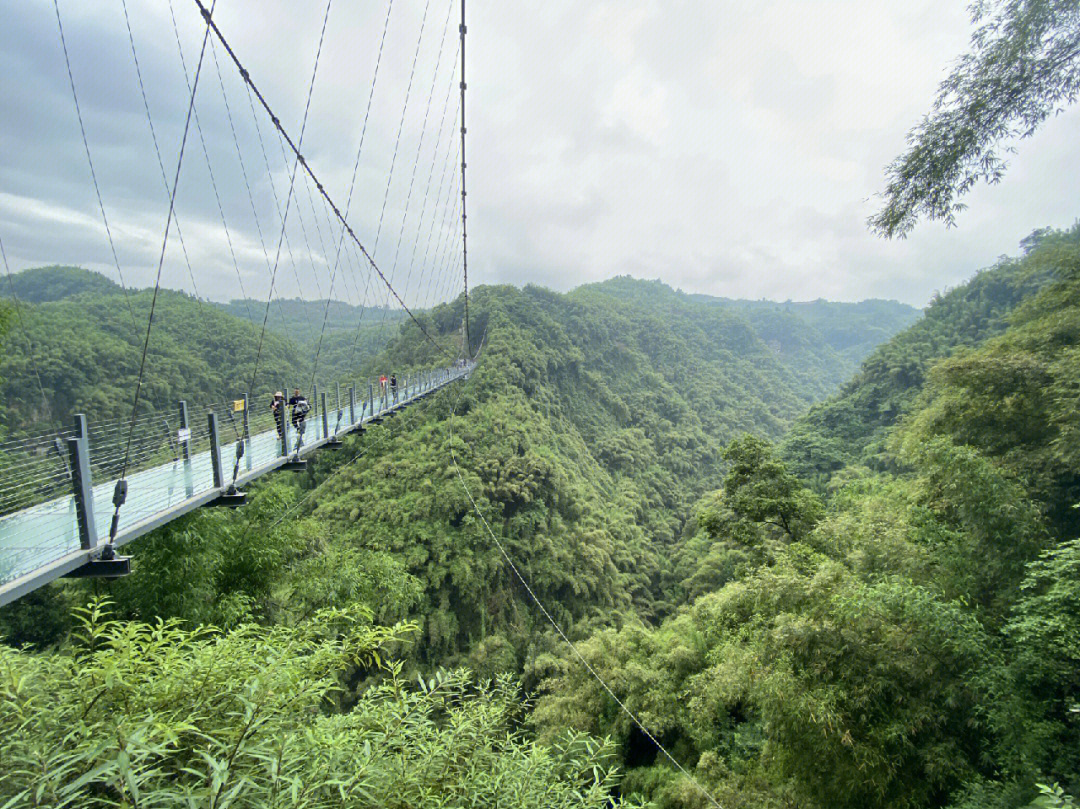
point(237, 405)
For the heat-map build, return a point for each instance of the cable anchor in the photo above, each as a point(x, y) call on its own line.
point(118, 499)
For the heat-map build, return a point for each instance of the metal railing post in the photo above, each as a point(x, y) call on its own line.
point(183, 438)
point(82, 487)
point(185, 447)
point(371, 400)
point(247, 430)
point(325, 421)
point(282, 426)
point(352, 406)
point(215, 450)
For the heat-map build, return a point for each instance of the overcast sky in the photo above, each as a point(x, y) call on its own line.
point(730, 149)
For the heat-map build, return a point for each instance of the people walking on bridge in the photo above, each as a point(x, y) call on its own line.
point(300, 408)
point(277, 410)
point(393, 386)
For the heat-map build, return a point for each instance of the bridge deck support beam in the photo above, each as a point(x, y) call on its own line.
point(332, 442)
point(232, 497)
point(283, 426)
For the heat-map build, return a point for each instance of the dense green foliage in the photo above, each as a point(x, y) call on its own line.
point(594, 422)
point(853, 330)
point(880, 611)
point(156, 715)
point(850, 429)
point(49, 284)
point(300, 317)
point(913, 642)
point(88, 345)
point(87, 337)
point(352, 337)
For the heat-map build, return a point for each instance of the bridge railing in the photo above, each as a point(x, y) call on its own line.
point(56, 490)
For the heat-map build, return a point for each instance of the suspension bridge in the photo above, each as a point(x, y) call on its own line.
point(72, 495)
point(62, 536)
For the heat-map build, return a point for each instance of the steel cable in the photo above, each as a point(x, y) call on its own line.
point(206, 154)
point(90, 161)
point(311, 173)
point(292, 178)
point(427, 188)
point(119, 497)
point(352, 185)
point(153, 135)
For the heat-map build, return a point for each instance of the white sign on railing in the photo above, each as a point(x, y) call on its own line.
point(183, 434)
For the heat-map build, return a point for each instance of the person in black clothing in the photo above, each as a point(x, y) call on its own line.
point(277, 409)
point(393, 385)
point(300, 408)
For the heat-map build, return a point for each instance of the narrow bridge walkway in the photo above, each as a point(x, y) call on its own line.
point(65, 535)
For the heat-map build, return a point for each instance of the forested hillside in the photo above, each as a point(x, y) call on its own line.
point(88, 341)
point(851, 428)
point(87, 337)
point(352, 337)
point(909, 636)
point(854, 334)
point(878, 612)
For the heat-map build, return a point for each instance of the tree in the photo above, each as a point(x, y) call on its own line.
point(759, 490)
point(1024, 65)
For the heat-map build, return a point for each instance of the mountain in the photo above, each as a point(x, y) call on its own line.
point(47, 284)
point(851, 427)
point(595, 421)
point(298, 317)
point(87, 336)
point(851, 329)
point(349, 335)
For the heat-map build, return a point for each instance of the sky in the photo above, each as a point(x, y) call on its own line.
point(730, 149)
